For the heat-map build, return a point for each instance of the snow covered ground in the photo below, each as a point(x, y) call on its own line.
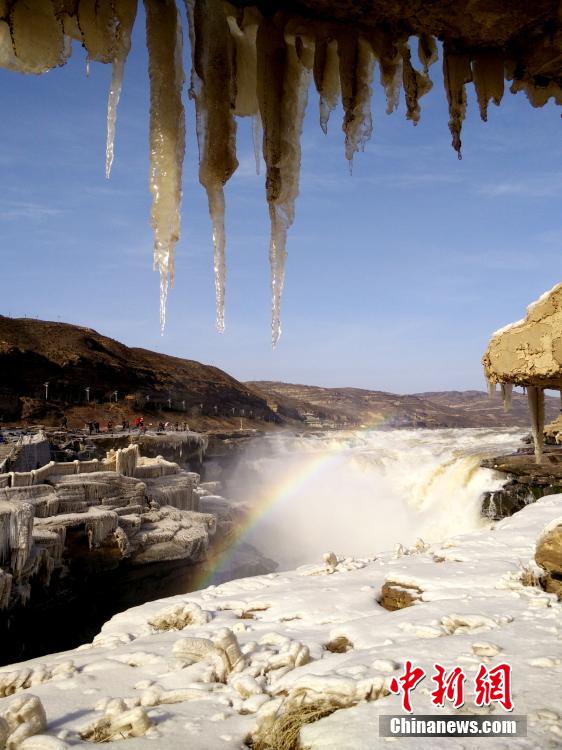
point(200, 687)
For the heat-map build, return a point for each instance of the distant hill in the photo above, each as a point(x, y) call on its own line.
point(356, 406)
point(72, 359)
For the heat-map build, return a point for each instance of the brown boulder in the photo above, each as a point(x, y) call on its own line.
point(398, 596)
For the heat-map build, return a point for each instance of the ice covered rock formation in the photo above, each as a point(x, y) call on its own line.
point(81, 512)
point(528, 353)
point(255, 58)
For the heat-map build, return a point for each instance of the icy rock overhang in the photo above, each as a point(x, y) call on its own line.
point(528, 353)
point(258, 59)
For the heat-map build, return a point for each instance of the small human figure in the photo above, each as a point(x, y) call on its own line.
point(97, 427)
point(64, 423)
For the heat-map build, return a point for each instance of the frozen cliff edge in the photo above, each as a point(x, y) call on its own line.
point(215, 667)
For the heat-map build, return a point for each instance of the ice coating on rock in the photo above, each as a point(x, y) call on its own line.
point(215, 100)
point(457, 71)
point(488, 74)
point(282, 94)
point(326, 77)
point(167, 135)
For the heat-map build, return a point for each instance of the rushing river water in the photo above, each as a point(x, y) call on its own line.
point(357, 493)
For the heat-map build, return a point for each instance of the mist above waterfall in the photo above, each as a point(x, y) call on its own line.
point(360, 493)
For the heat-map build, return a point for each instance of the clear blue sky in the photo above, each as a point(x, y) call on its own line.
point(396, 275)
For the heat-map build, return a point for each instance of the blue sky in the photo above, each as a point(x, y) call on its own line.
point(396, 275)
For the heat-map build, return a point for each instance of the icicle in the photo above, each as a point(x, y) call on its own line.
point(243, 27)
point(215, 98)
point(37, 36)
point(125, 13)
point(167, 135)
point(326, 77)
point(488, 74)
point(282, 95)
point(507, 393)
point(390, 62)
point(491, 388)
point(456, 67)
point(427, 51)
point(257, 138)
point(535, 398)
point(415, 85)
point(356, 64)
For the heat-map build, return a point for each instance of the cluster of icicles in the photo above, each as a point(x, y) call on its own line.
point(247, 65)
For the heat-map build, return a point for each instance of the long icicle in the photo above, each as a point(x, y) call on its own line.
point(535, 398)
point(167, 135)
point(282, 93)
point(257, 138)
point(125, 13)
point(215, 97)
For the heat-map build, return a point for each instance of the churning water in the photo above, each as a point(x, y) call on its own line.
point(363, 492)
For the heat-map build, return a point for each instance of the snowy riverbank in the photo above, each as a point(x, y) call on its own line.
point(207, 694)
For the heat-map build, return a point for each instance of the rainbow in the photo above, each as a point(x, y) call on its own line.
point(275, 501)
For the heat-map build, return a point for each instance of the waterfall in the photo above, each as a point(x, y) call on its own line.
point(360, 493)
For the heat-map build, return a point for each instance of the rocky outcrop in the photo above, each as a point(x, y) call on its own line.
point(527, 481)
point(549, 556)
point(529, 354)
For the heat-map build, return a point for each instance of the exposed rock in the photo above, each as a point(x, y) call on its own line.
point(549, 556)
point(398, 595)
point(529, 352)
point(528, 481)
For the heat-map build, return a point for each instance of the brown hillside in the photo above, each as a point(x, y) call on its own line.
point(72, 358)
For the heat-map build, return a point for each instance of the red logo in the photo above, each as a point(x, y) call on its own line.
point(490, 685)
